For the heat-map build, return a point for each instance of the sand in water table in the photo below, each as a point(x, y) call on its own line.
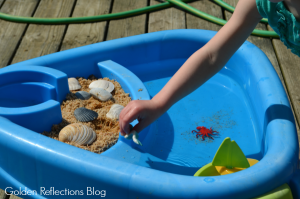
point(107, 130)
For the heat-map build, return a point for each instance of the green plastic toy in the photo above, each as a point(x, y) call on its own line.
point(230, 155)
point(230, 159)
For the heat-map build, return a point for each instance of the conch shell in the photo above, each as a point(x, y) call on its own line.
point(77, 133)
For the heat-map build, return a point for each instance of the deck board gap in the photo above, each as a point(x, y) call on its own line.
point(24, 32)
point(108, 21)
point(63, 37)
point(67, 26)
point(73, 8)
point(36, 7)
point(223, 13)
point(185, 20)
point(1, 3)
point(17, 46)
point(147, 19)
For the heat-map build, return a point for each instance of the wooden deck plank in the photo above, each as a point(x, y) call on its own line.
point(11, 33)
point(14, 197)
point(128, 26)
point(290, 67)
point(195, 22)
point(2, 194)
point(167, 19)
point(44, 39)
point(88, 33)
point(1, 1)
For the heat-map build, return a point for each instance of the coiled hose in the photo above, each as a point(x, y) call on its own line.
point(169, 3)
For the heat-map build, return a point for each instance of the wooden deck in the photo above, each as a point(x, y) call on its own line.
point(20, 42)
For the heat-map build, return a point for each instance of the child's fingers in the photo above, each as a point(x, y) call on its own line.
point(122, 124)
point(127, 115)
point(139, 127)
point(123, 119)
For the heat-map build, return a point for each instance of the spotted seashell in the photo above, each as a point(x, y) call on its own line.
point(85, 115)
point(101, 94)
point(115, 111)
point(73, 84)
point(83, 95)
point(77, 133)
point(106, 85)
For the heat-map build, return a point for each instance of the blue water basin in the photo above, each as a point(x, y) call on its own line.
point(244, 101)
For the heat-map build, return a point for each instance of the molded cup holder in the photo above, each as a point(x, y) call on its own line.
point(30, 96)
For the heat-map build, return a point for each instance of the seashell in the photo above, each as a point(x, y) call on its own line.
point(85, 115)
point(73, 84)
point(134, 136)
point(83, 95)
point(106, 85)
point(115, 111)
point(101, 94)
point(77, 133)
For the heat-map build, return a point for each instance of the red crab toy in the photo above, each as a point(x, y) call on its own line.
point(204, 132)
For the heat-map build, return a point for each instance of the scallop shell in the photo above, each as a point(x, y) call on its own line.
point(73, 84)
point(85, 115)
point(101, 94)
point(106, 85)
point(115, 111)
point(77, 133)
point(83, 95)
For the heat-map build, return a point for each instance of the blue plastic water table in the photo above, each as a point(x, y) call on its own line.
point(244, 101)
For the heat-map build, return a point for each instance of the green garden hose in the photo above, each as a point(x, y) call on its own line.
point(71, 20)
point(213, 19)
point(180, 3)
point(231, 9)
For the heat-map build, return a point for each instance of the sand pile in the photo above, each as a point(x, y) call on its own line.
point(107, 129)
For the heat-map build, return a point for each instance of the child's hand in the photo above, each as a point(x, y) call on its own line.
point(145, 111)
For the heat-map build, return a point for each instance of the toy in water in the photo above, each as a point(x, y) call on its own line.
point(204, 132)
point(228, 159)
point(231, 159)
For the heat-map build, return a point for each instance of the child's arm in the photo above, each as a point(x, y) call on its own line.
point(200, 67)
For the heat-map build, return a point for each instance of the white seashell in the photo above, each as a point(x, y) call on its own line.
point(115, 111)
point(77, 133)
point(106, 85)
point(73, 84)
point(101, 94)
point(134, 136)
